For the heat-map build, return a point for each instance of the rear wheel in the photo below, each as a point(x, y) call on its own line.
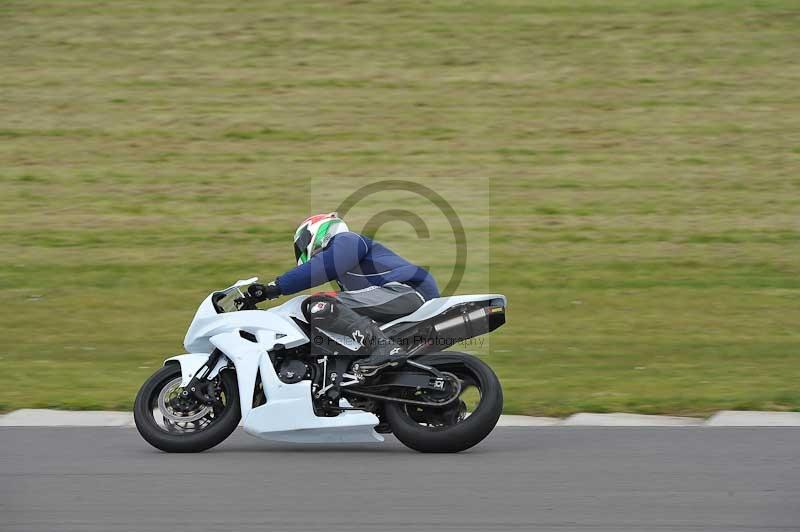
point(458, 425)
point(175, 423)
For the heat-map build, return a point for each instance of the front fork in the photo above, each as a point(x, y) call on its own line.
point(199, 386)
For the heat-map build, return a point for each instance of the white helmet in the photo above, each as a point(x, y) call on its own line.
point(314, 234)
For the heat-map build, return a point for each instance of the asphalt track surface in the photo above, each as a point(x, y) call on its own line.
point(551, 479)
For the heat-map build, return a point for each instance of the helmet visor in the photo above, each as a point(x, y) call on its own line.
point(301, 243)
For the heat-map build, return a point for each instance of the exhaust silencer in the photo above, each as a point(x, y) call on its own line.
point(470, 324)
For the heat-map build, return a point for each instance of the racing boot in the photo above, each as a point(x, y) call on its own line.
point(385, 353)
point(356, 332)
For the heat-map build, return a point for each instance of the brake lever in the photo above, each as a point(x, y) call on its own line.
point(245, 303)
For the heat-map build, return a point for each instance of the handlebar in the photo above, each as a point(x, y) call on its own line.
point(234, 299)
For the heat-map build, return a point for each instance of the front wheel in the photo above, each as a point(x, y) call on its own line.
point(175, 423)
point(462, 423)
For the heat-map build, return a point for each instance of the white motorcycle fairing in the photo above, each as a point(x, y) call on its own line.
point(192, 362)
point(288, 414)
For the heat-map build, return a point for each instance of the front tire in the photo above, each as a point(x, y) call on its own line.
point(201, 427)
point(414, 430)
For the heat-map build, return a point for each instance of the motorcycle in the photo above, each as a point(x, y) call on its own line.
point(268, 368)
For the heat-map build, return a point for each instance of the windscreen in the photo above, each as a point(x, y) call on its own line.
point(225, 301)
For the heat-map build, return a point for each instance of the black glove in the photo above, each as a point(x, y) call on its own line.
point(260, 292)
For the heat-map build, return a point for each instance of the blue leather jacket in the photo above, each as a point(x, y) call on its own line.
point(355, 262)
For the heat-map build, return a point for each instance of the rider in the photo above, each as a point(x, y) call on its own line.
point(376, 283)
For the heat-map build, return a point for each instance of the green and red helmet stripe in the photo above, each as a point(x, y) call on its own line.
point(321, 233)
point(318, 227)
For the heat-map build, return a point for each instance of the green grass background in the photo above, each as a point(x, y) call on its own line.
point(628, 172)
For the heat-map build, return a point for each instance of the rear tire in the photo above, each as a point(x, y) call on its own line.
point(464, 434)
point(219, 428)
